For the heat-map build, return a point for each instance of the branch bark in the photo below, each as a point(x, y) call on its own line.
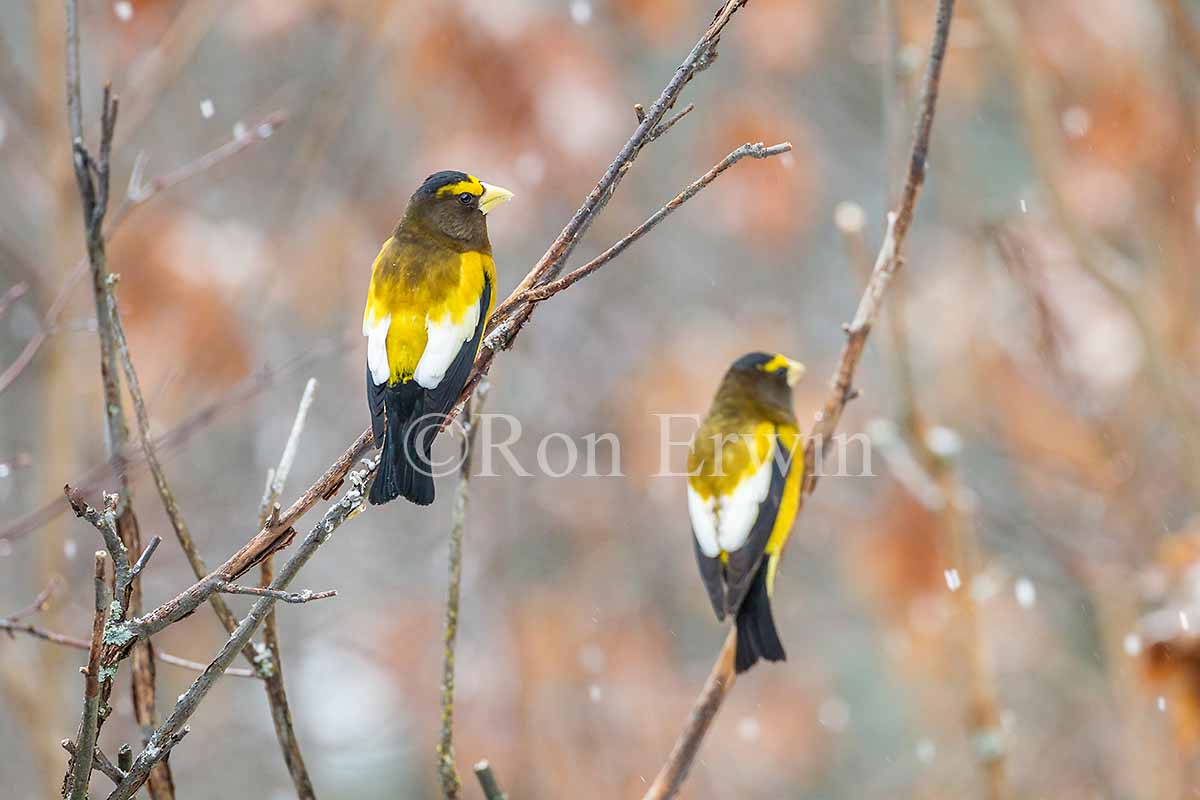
point(165, 494)
point(167, 734)
point(92, 180)
point(281, 711)
point(670, 778)
point(447, 771)
point(488, 782)
point(79, 770)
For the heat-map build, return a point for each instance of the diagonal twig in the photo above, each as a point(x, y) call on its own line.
point(165, 494)
point(137, 195)
point(164, 737)
point(758, 151)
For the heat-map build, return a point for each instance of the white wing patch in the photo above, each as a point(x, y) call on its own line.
point(723, 523)
point(377, 360)
point(446, 338)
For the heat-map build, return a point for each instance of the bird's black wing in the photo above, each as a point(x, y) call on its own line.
point(375, 394)
point(710, 573)
point(743, 562)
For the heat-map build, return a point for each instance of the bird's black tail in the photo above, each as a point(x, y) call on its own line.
point(404, 468)
point(756, 634)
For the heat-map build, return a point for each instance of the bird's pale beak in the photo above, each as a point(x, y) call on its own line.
point(493, 196)
point(795, 372)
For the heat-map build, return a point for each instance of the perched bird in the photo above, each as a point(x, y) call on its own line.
point(745, 469)
point(432, 290)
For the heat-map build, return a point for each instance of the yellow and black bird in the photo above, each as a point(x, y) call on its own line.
point(745, 471)
point(432, 290)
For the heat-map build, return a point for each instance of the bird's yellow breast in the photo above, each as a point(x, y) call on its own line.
point(721, 459)
point(419, 286)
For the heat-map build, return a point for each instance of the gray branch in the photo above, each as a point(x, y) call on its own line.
point(163, 739)
point(79, 770)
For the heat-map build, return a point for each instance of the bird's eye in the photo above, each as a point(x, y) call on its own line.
point(466, 198)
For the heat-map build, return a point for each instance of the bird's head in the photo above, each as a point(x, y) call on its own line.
point(456, 204)
point(770, 374)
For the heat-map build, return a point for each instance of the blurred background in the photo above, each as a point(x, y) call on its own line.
point(1001, 610)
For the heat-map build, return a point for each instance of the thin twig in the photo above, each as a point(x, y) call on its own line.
point(670, 778)
point(40, 603)
point(92, 176)
point(137, 195)
point(165, 494)
point(163, 738)
point(757, 151)
point(176, 437)
point(12, 626)
point(79, 770)
point(281, 711)
point(304, 596)
point(14, 293)
point(514, 312)
point(932, 475)
point(145, 557)
point(447, 771)
point(106, 523)
point(663, 127)
point(487, 781)
point(99, 762)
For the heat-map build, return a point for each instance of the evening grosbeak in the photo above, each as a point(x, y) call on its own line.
point(432, 290)
point(745, 469)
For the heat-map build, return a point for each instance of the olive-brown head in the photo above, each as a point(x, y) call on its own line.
point(454, 206)
point(768, 378)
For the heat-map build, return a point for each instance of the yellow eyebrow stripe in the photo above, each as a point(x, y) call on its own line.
point(775, 364)
point(471, 186)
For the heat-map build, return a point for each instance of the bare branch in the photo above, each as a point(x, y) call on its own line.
point(92, 178)
point(163, 738)
point(138, 195)
point(305, 596)
point(268, 514)
point(105, 522)
point(145, 557)
point(99, 762)
point(666, 126)
point(671, 777)
point(674, 771)
point(12, 295)
point(40, 603)
point(10, 625)
point(487, 781)
point(447, 771)
point(757, 151)
point(79, 770)
point(165, 494)
point(279, 476)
